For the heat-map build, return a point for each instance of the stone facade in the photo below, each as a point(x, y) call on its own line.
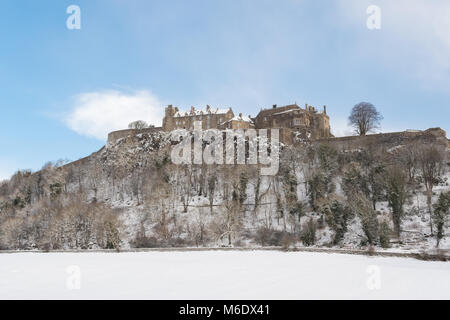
point(211, 118)
point(308, 122)
point(293, 120)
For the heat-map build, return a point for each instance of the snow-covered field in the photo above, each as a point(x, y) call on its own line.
point(219, 275)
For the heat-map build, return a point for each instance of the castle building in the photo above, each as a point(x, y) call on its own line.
point(211, 118)
point(308, 122)
point(292, 121)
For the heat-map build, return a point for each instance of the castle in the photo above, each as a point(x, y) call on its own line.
point(308, 122)
point(291, 120)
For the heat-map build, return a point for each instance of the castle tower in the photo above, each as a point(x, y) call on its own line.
point(168, 121)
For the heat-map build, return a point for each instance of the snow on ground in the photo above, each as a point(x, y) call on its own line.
point(219, 275)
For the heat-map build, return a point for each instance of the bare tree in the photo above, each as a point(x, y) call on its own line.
point(408, 156)
point(364, 118)
point(362, 206)
point(94, 176)
point(212, 183)
point(397, 193)
point(441, 212)
point(231, 220)
point(431, 161)
point(183, 174)
point(138, 125)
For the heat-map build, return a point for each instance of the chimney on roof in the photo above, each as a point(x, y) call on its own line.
point(274, 106)
point(325, 109)
point(208, 108)
point(240, 115)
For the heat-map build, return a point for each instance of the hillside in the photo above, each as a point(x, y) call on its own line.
point(350, 193)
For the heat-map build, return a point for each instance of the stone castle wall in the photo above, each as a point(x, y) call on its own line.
point(116, 135)
point(387, 141)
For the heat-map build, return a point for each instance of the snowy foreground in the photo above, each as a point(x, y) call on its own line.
point(219, 275)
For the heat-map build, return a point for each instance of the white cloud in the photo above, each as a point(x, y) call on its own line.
point(95, 114)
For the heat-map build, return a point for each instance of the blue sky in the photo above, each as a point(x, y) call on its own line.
point(61, 90)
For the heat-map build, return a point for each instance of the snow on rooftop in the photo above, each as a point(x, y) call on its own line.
point(292, 110)
point(240, 118)
point(199, 112)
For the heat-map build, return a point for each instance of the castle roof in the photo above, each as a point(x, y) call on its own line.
point(240, 118)
point(199, 112)
point(278, 110)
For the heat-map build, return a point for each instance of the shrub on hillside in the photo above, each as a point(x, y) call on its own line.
point(308, 233)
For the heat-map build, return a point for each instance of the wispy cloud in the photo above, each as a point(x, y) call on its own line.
point(95, 114)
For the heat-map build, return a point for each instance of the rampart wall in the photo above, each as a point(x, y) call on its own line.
point(389, 140)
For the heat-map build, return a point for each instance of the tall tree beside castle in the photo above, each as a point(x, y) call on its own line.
point(365, 118)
